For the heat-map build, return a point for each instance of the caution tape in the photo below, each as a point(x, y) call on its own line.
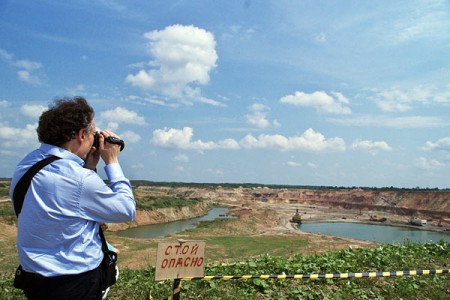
point(327, 276)
point(177, 281)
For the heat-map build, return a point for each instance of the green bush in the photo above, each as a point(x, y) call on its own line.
point(140, 284)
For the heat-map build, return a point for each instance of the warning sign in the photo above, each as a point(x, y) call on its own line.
point(180, 259)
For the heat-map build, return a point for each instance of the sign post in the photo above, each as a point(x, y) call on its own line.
point(180, 259)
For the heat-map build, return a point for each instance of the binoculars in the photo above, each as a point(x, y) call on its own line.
point(109, 139)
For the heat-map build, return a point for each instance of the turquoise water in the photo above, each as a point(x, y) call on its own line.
point(165, 229)
point(375, 233)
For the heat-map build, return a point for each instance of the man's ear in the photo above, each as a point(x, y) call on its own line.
point(81, 135)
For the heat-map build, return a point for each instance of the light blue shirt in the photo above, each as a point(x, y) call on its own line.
point(58, 225)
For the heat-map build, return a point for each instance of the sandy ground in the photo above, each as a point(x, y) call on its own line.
point(314, 214)
point(255, 219)
point(267, 219)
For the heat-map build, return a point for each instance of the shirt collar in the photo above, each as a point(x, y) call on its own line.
point(60, 152)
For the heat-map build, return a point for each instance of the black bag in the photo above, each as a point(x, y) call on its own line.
point(19, 278)
point(108, 264)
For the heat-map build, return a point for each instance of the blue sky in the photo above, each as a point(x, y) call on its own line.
point(335, 93)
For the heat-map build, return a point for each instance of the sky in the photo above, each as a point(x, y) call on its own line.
point(322, 93)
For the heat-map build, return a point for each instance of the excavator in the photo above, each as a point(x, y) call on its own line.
point(297, 218)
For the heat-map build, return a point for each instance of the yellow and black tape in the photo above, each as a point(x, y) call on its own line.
point(177, 282)
point(327, 276)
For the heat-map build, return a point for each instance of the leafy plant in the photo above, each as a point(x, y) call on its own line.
point(140, 284)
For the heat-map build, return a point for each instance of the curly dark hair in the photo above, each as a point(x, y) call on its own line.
point(63, 120)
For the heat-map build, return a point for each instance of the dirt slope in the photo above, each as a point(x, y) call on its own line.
point(403, 202)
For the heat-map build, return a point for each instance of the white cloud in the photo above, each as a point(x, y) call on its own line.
point(156, 102)
point(210, 101)
point(258, 119)
point(33, 111)
point(393, 122)
point(321, 38)
point(258, 116)
point(77, 90)
point(173, 138)
point(194, 94)
point(115, 6)
point(26, 76)
point(152, 100)
point(8, 57)
point(4, 103)
point(182, 139)
point(18, 137)
point(441, 144)
point(428, 164)
point(258, 107)
point(370, 146)
point(294, 164)
point(27, 64)
point(421, 20)
point(236, 34)
point(311, 165)
point(182, 56)
point(6, 153)
point(130, 137)
point(182, 158)
point(112, 126)
point(334, 103)
point(396, 100)
point(404, 99)
point(309, 141)
point(142, 79)
point(123, 115)
point(229, 144)
point(27, 70)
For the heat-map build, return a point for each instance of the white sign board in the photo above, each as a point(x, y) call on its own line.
point(180, 259)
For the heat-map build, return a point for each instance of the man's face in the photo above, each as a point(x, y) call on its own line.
point(92, 132)
point(89, 141)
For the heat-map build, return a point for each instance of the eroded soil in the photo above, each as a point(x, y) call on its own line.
point(265, 213)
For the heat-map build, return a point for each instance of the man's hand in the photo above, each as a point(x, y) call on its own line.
point(109, 152)
point(92, 159)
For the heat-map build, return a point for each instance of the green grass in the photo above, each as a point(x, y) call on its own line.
point(140, 284)
point(239, 246)
point(6, 209)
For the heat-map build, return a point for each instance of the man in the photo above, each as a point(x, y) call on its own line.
point(58, 239)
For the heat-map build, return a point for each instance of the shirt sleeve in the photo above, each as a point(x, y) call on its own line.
point(110, 204)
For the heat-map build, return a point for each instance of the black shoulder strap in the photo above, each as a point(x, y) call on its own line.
point(102, 237)
point(22, 186)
